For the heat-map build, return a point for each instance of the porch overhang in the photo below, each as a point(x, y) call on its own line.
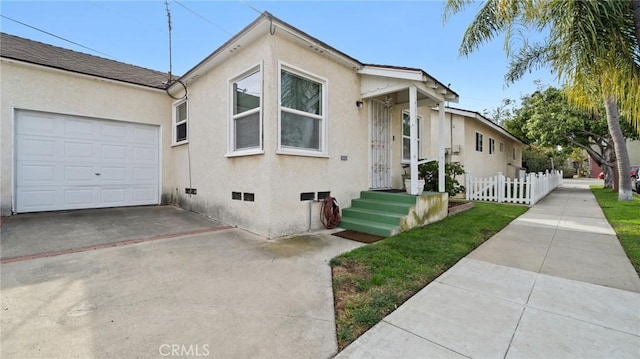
point(411, 88)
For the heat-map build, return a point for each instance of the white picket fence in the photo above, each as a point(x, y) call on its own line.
point(527, 190)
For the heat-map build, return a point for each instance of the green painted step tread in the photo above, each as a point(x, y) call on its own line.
point(388, 197)
point(373, 212)
point(373, 215)
point(368, 223)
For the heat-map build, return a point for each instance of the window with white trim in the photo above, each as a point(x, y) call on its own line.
point(406, 136)
point(180, 117)
point(501, 146)
point(492, 146)
point(245, 127)
point(514, 153)
point(302, 114)
point(479, 142)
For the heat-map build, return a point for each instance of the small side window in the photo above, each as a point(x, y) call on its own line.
point(180, 119)
point(479, 142)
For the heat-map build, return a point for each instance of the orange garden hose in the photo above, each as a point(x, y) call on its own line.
point(330, 213)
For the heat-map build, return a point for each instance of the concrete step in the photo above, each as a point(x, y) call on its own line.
point(388, 197)
point(373, 215)
point(382, 205)
point(366, 226)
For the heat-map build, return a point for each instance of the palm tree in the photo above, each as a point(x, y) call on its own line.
point(591, 47)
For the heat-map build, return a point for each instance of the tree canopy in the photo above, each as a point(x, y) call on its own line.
point(590, 45)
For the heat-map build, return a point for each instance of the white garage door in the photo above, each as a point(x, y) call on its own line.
point(69, 162)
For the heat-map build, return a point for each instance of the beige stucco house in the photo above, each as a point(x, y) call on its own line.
point(272, 119)
point(483, 147)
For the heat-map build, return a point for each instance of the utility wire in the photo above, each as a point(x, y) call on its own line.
point(56, 36)
point(250, 6)
point(202, 17)
point(121, 14)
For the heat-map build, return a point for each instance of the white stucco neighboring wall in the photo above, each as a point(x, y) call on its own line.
point(275, 179)
point(31, 87)
point(482, 163)
point(633, 147)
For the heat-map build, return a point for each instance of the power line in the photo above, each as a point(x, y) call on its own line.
point(202, 17)
point(56, 36)
point(119, 13)
point(250, 6)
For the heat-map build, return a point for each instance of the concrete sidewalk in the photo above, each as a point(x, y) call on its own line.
point(555, 283)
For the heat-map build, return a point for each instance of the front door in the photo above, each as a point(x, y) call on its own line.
point(380, 172)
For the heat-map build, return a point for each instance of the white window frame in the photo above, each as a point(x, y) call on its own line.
point(492, 145)
point(324, 127)
point(514, 152)
point(176, 123)
point(501, 146)
point(231, 151)
point(480, 137)
point(419, 132)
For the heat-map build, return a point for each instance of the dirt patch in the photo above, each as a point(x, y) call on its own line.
point(295, 246)
point(458, 206)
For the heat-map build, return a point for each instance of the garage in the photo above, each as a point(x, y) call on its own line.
point(69, 162)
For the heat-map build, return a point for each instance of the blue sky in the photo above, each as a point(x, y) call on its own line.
point(400, 33)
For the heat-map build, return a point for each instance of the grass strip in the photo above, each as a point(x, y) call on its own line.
point(371, 281)
point(624, 217)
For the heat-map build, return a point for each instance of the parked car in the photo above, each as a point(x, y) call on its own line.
point(635, 178)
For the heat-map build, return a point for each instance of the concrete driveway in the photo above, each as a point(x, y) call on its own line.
point(221, 293)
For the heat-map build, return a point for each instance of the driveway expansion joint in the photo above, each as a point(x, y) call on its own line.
point(110, 245)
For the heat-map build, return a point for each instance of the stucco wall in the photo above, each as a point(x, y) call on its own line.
point(428, 145)
point(483, 164)
point(458, 131)
point(38, 88)
point(633, 147)
point(275, 179)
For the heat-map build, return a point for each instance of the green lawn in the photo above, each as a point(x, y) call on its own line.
point(371, 281)
point(624, 217)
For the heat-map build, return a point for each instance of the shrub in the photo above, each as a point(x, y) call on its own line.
point(429, 172)
point(568, 172)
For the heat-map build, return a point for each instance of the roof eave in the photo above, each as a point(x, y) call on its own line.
point(265, 23)
point(480, 117)
point(412, 74)
point(58, 68)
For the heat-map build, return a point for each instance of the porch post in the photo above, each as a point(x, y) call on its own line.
point(413, 147)
point(441, 147)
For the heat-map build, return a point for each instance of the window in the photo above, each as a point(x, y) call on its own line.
point(478, 142)
point(245, 128)
point(501, 146)
point(514, 153)
point(406, 136)
point(492, 146)
point(180, 116)
point(302, 119)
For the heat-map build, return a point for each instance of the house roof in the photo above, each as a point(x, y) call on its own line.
point(415, 70)
point(267, 23)
point(38, 53)
point(482, 119)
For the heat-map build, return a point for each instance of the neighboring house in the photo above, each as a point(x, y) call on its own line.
point(633, 148)
point(79, 131)
point(480, 145)
point(271, 119)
